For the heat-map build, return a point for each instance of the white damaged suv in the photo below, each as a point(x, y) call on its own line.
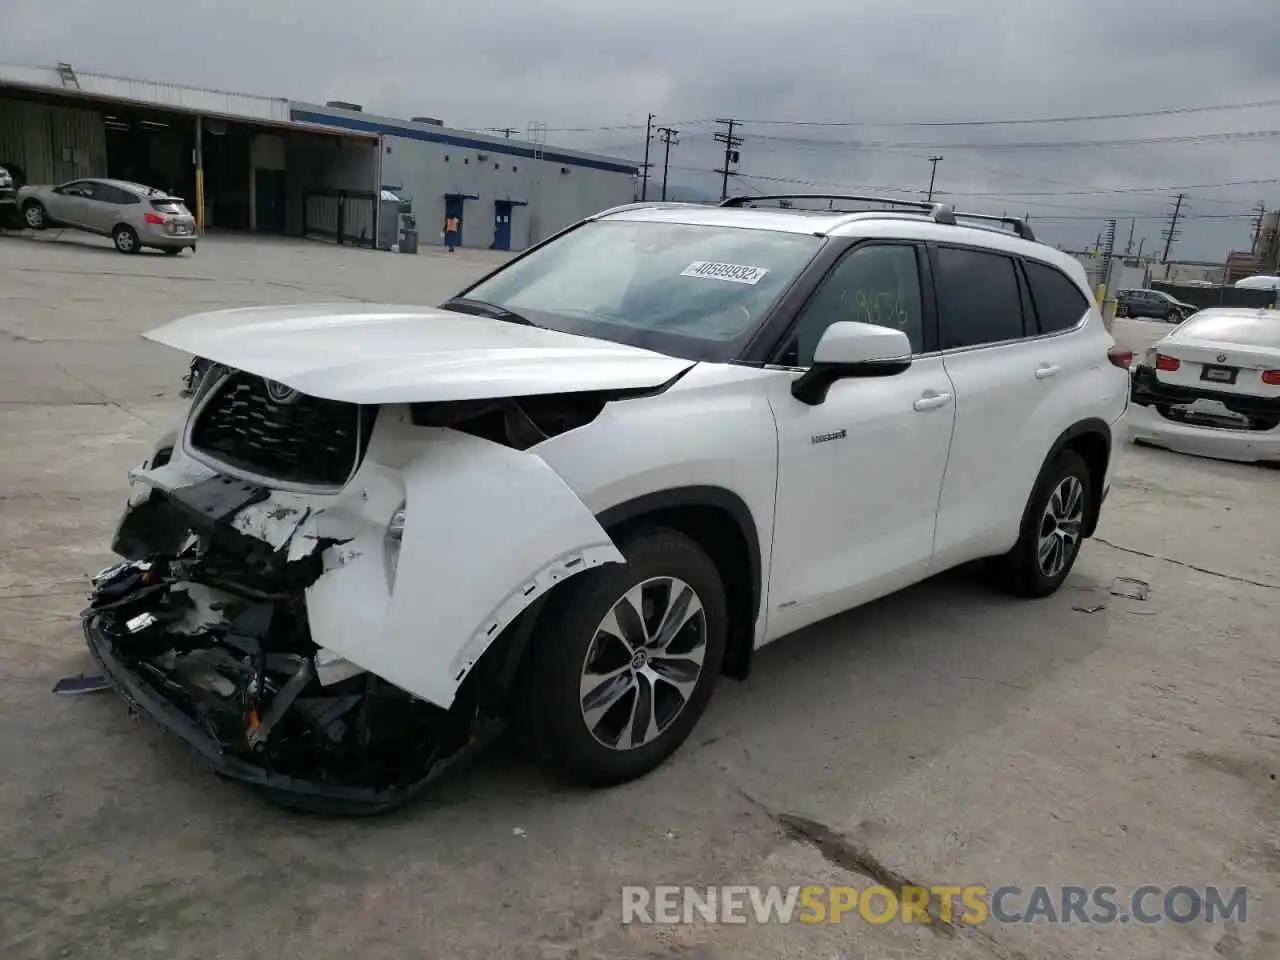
point(599, 478)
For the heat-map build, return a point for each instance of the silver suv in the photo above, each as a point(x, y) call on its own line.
point(132, 215)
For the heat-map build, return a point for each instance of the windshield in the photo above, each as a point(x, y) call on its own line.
point(684, 289)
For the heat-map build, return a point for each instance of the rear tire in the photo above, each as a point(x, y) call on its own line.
point(126, 239)
point(587, 694)
point(172, 251)
point(34, 216)
point(1052, 530)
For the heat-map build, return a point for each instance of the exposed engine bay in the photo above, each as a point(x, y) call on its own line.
point(259, 620)
point(213, 641)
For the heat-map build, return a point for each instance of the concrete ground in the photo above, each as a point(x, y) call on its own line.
point(944, 735)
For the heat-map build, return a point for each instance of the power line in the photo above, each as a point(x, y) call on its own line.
point(668, 136)
point(1107, 191)
point(627, 126)
point(1082, 118)
point(1231, 136)
point(1131, 214)
point(893, 188)
point(731, 155)
point(918, 124)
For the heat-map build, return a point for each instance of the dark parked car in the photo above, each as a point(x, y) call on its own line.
point(11, 178)
point(1153, 305)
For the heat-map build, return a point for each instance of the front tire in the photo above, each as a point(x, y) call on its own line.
point(624, 661)
point(126, 239)
point(34, 216)
point(1052, 530)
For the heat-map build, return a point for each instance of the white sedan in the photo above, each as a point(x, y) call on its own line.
point(1212, 388)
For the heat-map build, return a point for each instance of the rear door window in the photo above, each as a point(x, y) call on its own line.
point(978, 298)
point(111, 194)
point(1058, 301)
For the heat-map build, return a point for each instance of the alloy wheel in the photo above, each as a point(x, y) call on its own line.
point(643, 663)
point(1060, 526)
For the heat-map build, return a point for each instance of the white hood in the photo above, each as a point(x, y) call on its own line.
point(379, 353)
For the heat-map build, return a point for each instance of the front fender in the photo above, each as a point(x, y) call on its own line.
point(488, 530)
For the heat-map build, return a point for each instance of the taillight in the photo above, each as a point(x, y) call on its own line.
point(1272, 377)
point(1120, 357)
point(153, 218)
point(1167, 363)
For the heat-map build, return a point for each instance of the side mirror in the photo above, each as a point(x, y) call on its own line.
point(852, 349)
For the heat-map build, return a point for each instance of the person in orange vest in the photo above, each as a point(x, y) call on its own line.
point(451, 232)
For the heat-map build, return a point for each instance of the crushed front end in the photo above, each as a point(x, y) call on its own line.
point(204, 627)
point(329, 599)
point(211, 641)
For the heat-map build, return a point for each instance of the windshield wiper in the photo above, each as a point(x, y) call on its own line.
point(482, 308)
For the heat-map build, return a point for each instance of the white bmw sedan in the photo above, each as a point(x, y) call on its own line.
point(1212, 387)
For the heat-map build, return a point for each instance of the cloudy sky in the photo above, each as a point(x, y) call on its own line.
point(880, 74)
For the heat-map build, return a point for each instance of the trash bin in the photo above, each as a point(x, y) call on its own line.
point(388, 219)
point(407, 237)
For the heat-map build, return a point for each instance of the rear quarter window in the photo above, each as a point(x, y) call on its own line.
point(1058, 301)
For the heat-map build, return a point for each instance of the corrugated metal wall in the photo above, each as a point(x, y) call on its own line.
point(52, 144)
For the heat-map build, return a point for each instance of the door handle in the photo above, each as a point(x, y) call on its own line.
point(1046, 370)
point(932, 401)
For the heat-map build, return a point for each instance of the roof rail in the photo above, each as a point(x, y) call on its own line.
point(1020, 226)
point(940, 212)
point(743, 200)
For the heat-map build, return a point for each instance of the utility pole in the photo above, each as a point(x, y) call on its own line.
point(1128, 247)
point(668, 137)
point(933, 173)
point(731, 155)
point(1261, 211)
point(1172, 233)
point(1108, 253)
point(648, 139)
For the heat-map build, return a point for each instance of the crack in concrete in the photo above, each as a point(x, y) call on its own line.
point(1190, 566)
point(842, 852)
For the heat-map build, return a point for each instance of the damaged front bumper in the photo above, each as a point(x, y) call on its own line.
point(283, 636)
point(247, 697)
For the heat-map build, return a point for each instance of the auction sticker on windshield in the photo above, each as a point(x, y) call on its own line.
point(733, 272)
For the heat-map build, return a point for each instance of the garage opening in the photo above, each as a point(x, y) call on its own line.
point(259, 176)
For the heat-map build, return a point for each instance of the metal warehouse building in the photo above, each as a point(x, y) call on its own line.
point(269, 165)
point(506, 193)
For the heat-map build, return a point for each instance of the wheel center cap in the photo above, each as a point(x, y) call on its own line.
point(640, 660)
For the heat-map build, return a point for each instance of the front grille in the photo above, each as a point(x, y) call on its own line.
point(298, 439)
